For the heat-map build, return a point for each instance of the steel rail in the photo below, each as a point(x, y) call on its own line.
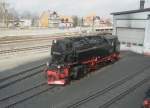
point(12, 79)
point(21, 92)
point(20, 73)
point(7, 41)
point(121, 95)
point(105, 90)
point(39, 90)
point(31, 39)
point(24, 49)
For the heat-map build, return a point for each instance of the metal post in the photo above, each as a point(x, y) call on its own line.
point(93, 24)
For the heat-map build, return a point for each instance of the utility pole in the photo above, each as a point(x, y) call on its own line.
point(93, 20)
point(82, 21)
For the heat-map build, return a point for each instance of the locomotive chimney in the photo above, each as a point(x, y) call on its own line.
point(142, 2)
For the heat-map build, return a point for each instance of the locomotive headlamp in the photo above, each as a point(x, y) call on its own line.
point(58, 66)
point(47, 64)
point(54, 41)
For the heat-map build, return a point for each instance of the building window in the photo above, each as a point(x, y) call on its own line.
point(123, 42)
point(140, 44)
point(128, 44)
point(62, 20)
point(134, 44)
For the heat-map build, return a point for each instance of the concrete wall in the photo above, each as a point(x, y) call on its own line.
point(129, 26)
point(147, 38)
point(137, 49)
point(134, 20)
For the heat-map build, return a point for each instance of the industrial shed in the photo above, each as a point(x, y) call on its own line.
point(133, 29)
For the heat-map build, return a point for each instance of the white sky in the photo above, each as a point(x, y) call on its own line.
point(75, 7)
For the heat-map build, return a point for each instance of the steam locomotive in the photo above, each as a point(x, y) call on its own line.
point(74, 57)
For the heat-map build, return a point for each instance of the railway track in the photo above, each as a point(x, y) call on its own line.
point(124, 93)
point(23, 95)
point(11, 101)
point(12, 79)
point(37, 38)
point(9, 51)
point(31, 38)
point(24, 49)
point(40, 88)
point(21, 92)
point(15, 50)
point(101, 92)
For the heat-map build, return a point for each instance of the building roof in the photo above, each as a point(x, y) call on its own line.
point(131, 11)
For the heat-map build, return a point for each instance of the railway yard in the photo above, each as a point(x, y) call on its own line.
point(16, 44)
point(12, 48)
point(53, 55)
point(116, 85)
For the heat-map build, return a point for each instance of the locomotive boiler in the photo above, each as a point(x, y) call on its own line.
point(74, 57)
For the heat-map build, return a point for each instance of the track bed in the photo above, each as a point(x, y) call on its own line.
point(62, 97)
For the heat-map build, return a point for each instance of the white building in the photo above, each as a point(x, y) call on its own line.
point(25, 23)
point(133, 29)
point(66, 22)
point(53, 20)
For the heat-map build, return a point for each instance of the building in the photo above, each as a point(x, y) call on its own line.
point(96, 21)
point(91, 21)
point(53, 20)
point(133, 29)
point(43, 20)
point(25, 23)
point(66, 22)
point(88, 21)
point(49, 19)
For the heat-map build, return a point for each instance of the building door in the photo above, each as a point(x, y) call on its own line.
point(131, 36)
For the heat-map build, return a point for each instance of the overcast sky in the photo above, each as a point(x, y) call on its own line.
point(75, 7)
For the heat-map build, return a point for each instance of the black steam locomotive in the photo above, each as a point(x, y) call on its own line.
point(74, 57)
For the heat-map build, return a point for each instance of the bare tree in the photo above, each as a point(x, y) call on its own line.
point(35, 20)
point(7, 14)
point(3, 12)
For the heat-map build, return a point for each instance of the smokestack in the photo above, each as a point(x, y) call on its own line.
point(142, 2)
